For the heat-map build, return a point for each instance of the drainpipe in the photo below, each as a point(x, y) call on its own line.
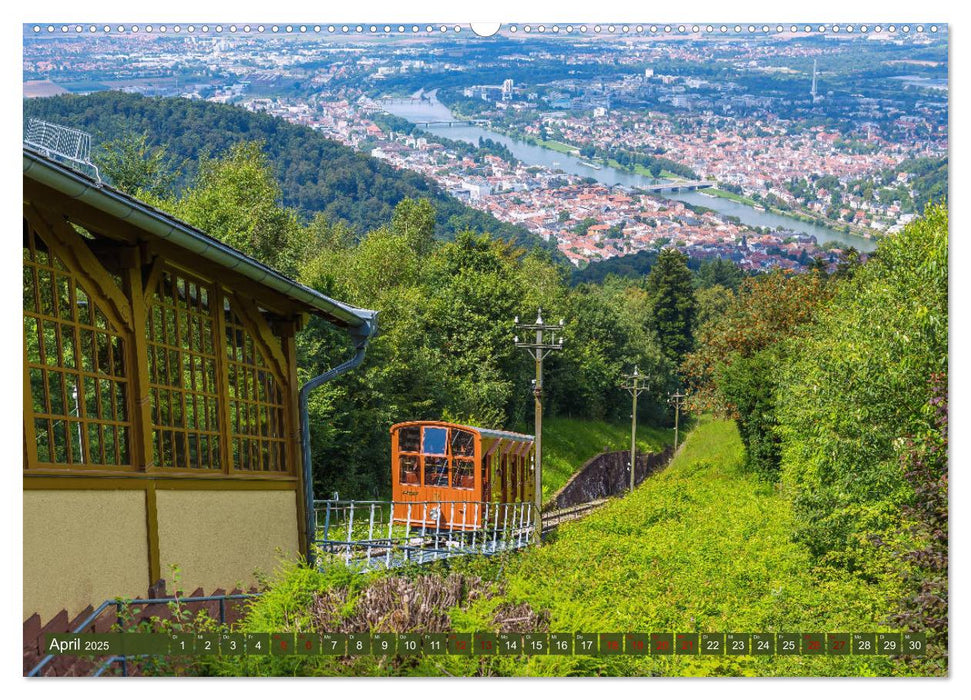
point(361, 335)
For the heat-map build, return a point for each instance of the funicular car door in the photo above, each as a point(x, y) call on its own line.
point(465, 452)
point(448, 475)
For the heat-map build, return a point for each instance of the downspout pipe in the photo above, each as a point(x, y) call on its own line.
point(361, 336)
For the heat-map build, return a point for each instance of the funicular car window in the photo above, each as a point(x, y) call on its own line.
point(436, 471)
point(462, 474)
point(408, 472)
point(409, 439)
point(434, 441)
point(463, 443)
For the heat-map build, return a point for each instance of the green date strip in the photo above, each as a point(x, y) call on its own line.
point(490, 643)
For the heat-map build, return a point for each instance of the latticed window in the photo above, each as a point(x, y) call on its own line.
point(182, 373)
point(256, 402)
point(75, 359)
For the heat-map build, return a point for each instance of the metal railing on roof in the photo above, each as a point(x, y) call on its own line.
point(56, 141)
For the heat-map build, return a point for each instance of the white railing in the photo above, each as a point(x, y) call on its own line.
point(54, 140)
point(368, 535)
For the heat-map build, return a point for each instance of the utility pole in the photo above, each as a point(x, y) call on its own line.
point(538, 349)
point(634, 388)
point(677, 400)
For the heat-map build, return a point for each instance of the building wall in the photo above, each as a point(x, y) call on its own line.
point(85, 547)
point(219, 539)
point(89, 545)
point(138, 481)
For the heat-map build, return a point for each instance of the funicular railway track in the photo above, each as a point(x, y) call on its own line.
point(553, 518)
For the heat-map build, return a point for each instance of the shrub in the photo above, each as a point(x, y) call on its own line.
point(857, 387)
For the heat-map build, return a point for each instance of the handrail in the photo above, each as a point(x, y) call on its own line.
point(118, 602)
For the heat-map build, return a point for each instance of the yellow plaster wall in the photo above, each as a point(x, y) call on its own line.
point(81, 548)
point(219, 538)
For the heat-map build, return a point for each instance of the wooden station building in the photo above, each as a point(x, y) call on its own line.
point(161, 415)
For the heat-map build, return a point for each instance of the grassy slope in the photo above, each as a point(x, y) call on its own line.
point(703, 546)
point(568, 443)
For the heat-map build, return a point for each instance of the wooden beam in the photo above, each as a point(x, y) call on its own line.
point(30, 436)
point(83, 263)
point(151, 521)
point(114, 481)
point(293, 451)
point(150, 277)
point(140, 391)
point(268, 344)
point(292, 410)
point(217, 306)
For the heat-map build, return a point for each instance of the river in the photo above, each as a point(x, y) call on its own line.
point(433, 110)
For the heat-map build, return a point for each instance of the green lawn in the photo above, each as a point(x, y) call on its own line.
point(557, 146)
point(732, 196)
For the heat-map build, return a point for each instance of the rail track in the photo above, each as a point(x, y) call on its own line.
point(553, 518)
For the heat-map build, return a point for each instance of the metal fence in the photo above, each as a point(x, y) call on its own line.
point(54, 140)
point(369, 535)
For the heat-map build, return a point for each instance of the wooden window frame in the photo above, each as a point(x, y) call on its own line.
point(98, 285)
point(127, 300)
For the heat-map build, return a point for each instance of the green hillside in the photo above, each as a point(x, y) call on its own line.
point(569, 442)
point(703, 546)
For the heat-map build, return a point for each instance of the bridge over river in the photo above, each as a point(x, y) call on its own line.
point(683, 186)
point(453, 122)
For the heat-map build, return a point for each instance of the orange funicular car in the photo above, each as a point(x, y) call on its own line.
point(447, 475)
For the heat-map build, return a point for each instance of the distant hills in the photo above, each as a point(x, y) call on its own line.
point(317, 174)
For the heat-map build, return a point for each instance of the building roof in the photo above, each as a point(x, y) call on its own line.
point(72, 183)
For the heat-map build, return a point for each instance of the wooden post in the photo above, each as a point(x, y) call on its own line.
point(140, 393)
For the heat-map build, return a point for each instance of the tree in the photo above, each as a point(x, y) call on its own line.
point(712, 302)
point(719, 271)
point(238, 200)
point(858, 383)
point(415, 220)
point(673, 304)
point(133, 166)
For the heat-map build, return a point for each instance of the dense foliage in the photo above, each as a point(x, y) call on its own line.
point(735, 368)
point(925, 605)
point(857, 386)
